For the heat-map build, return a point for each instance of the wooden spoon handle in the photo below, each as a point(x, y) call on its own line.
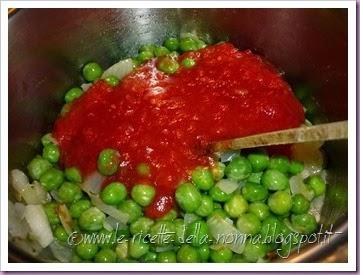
point(321, 132)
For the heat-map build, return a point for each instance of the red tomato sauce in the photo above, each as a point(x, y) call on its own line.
point(167, 121)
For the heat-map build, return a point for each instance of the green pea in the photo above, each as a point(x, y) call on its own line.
point(253, 251)
point(202, 178)
point(239, 168)
point(163, 233)
point(300, 204)
point(169, 216)
point(218, 171)
point(52, 179)
point(206, 207)
point(149, 257)
point(69, 192)
point(254, 192)
point(108, 162)
point(260, 210)
point(166, 257)
point(86, 251)
point(188, 197)
point(73, 174)
point(143, 194)
point(160, 51)
point(204, 253)
point(143, 169)
point(112, 80)
point(255, 177)
point(280, 202)
point(296, 167)
point(304, 223)
point(147, 48)
point(172, 44)
point(259, 162)
point(187, 254)
point(279, 163)
point(236, 206)
point(144, 56)
point(73, 94)
point(137, 248)
point(275, 180)
point(37, 167)
point(248, 223)
point(317, 184)
point(113, 193)
point(132, 209)
point(218, 195)
point(92, 219)
point(188, 63)
point(218, 212)
point(75, 259)
point(78, 207)
point(167, 64)
point(92, 71)
point(222, 255)
point(47, 139)
point(60, 233)
point(199, 233)
point(271, 228)
point(51, 213)
point(141, 226)
point(105, 255)
point(122, 249)
point(51, 153)
point(188, 44)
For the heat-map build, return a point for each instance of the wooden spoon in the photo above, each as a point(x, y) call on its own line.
point(321, 132)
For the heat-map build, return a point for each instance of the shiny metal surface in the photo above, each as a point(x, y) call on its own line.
point(48, 47)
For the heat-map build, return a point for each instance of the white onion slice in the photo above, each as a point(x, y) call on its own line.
point(65, 218)
point(190, 217)
point(297, 186)
point(92, 184)
point(61, 252)
point(17, 225)
point(316, 206)
point(86, 86)
point(227, 186)
point(164, 248)
point(109, 210)
point(119, 69)
point(226, 234)
point(228, 156)
point(39, 224)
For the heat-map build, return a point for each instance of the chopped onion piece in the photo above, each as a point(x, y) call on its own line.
point(86, 86)
point(109, 210)
point(289, 225)
point(228, 156)
point(114, 223)
point(39, 224)
point(17, 225)
point(61, 252)
point(92, 184)
point(120, 69)
point(31, 193)
point(32, 247)
point(227, 186)
point(297, 186)
point(226, 234)
point(65, 218)
point(316, 206)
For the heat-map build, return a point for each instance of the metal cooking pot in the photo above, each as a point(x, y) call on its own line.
point(48, 47)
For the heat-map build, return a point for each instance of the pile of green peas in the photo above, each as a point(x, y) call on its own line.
point(262, 204)
point(167, 62)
